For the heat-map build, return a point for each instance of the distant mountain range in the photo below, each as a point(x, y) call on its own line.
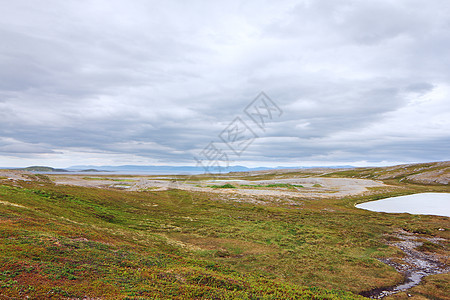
point(183, 169)
point(166, 169)
point(154, 169)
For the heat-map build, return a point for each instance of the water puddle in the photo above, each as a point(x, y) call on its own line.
point(422, 204)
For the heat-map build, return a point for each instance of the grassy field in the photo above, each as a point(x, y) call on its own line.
point(70, 242)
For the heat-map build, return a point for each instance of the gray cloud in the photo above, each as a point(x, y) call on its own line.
point(113, 82)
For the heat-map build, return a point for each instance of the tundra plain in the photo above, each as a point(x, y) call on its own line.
point(278, 234)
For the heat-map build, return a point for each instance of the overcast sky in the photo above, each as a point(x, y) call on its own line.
point(154, 82)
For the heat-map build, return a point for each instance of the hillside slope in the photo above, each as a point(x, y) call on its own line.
point(423, 173)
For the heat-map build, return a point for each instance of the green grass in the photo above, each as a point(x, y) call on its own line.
point(67, 241)
point(225, 186)
point(284, 185)
point(110, 179)
point(276, 185)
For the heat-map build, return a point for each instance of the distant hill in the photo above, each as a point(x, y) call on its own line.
point(41, 169)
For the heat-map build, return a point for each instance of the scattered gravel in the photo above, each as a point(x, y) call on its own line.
point(414, 266)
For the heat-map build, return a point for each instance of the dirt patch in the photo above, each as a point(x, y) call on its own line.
point(15, 175)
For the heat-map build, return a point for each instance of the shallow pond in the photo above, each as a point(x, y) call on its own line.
point(421, 204)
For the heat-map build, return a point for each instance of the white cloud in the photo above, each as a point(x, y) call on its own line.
point(153, 82)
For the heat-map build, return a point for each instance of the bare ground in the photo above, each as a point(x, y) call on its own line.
point(311, 187)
